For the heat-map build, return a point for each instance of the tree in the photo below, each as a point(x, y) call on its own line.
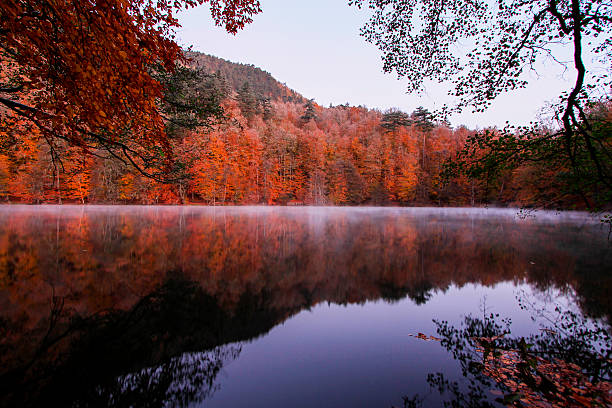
point(422, 119)
point(394, 118)
point(490, 154)
point(85, 73)
point(309, 112)
point(192, 99)
point(422, 40)
point(266, 109)
point(247, 101)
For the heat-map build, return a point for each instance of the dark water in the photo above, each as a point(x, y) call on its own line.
point(267, 307)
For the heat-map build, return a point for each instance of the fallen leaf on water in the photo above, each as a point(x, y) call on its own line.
point(423, 336)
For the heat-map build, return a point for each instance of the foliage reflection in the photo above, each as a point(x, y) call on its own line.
point(152, 298)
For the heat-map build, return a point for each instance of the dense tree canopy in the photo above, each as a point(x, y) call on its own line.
point(86, 73)
point(343, 156)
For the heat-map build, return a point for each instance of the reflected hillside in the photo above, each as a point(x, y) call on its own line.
point(127, 289)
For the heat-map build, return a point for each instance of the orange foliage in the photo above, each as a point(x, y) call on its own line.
point(342, 157)
point(81, 70)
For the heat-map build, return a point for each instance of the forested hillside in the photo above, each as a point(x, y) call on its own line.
point(265, 144)
point(235, 76)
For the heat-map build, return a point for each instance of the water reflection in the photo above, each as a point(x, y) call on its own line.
point(80, 356)
point(129, 291)
point(566, 363)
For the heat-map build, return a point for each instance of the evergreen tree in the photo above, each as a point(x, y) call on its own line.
point(309, 112)
point(247, 101)
point(422, 119)
point(266, 109)
point(222, 86)
point(394, 118)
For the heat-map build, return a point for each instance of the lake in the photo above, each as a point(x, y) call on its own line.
point(276, 306)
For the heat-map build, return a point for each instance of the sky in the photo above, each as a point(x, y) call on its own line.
point(314, 47)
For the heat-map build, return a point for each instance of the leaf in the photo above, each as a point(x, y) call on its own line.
point(423, 336)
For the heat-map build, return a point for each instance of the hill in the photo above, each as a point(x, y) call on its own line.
point(262, 83)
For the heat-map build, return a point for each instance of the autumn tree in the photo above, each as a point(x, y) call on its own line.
point(343, 157)
point(536, 148)
point(86, 73)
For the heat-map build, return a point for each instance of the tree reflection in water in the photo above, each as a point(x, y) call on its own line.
point(184, 380)
point(567, 364)
point(129, 306)
point(138, 357)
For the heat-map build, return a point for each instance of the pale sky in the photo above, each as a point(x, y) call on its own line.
point(314, 48)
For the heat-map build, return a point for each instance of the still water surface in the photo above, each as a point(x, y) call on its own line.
point(267, 306)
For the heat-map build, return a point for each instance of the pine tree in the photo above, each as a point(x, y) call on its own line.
point(266, 109)
point(309, 112)
point(394, 118)
point(247, 101)
point(422, 119)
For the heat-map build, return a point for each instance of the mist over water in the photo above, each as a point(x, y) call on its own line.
point(269, 306)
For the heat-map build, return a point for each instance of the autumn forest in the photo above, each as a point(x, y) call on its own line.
point(100, 104)
point(265, 144)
